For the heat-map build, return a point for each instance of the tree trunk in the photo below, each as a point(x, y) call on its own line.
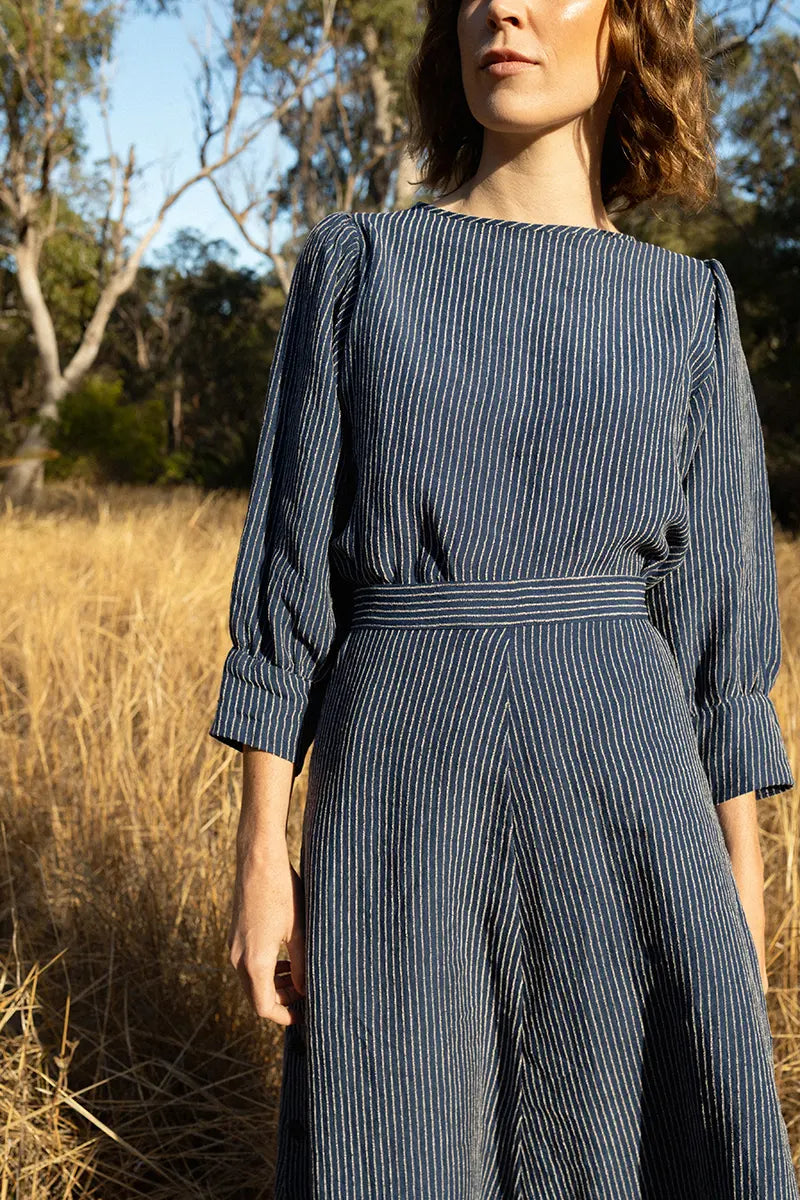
point(177, 412)
point(25, 474)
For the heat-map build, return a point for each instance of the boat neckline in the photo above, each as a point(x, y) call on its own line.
point(505, 221)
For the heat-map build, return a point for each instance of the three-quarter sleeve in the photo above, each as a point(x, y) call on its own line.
point(284, 600)
point(718, 610)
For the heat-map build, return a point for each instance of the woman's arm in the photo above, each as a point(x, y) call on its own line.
point(284, 610)
point(267, 900)
point(718, 609)
point(284, 616)
point(739, 822)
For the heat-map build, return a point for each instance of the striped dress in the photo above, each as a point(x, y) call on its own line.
point(508, 560)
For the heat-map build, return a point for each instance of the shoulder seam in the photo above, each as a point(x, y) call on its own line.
point(354, 244)
point(701, 351)
point(339, 233)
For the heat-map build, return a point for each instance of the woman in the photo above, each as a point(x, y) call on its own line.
point(508, 559)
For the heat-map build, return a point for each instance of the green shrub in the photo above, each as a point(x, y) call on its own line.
point(100, 437)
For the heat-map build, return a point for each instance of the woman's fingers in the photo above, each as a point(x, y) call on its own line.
point(284, 984)
point(266, 990)
point(296, 942)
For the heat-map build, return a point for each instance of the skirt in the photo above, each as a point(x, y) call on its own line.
point(529, 973)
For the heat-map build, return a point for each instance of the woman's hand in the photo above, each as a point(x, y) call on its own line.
point(752, 896)
point(268, 910)
point(268, 902)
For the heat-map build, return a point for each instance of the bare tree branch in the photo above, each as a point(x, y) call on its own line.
point(743, 35)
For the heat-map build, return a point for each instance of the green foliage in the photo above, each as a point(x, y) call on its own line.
point(178, 467)
point(99, 436)
point(66, 52)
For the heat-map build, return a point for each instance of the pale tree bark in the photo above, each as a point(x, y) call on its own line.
point(176, 420)
point(36, 143)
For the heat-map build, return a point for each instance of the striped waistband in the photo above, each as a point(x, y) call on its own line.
point(500, 601)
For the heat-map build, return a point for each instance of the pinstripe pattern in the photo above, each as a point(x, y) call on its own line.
point(508, 560)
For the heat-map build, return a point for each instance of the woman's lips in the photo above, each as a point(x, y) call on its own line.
point(509, 66)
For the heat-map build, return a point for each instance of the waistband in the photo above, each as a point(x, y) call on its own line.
point(500, 601)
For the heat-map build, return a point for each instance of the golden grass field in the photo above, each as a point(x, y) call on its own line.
point(131, 1063)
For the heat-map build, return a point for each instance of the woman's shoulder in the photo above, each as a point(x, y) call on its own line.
point(337, 228)
point(714, 283)
point(332, 246)
point(718, 337)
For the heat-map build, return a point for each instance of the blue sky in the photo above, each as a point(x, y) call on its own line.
point(153, 106)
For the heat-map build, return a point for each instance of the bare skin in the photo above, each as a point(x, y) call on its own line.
point(544, 126)
point(268, 906)
point(544, 122)
point(739, 820)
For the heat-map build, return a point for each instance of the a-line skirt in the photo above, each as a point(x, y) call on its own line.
point(529, 973)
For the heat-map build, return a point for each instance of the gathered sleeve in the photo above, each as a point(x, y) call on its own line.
point(718, 610)
point(284, 607)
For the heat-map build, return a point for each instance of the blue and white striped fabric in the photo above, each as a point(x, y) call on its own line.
point(508, 561)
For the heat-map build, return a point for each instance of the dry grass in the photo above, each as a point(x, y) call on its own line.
point(131, 1064)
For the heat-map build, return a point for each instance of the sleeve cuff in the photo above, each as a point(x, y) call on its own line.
point(266, 707)
point(742, 748)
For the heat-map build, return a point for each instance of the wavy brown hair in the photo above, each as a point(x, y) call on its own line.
point(658, 140)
